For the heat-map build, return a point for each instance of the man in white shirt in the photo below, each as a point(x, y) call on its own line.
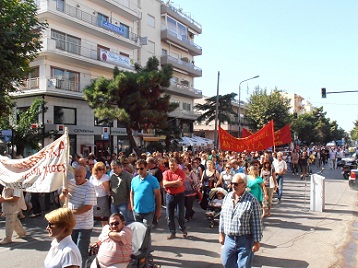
point(81, 198)
point(280, 167)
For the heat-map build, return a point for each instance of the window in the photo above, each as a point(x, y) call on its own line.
point(64, 115)
point(125, 29)
point(164, 52)
point(186, 106)
point(101, 18)
point(151, 47)
point(151, 21)
point(66, 79)
point(178, 29)
point(34, 73)
point(66, 42)
point(60, 5)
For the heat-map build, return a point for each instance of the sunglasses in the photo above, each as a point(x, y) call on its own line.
point(50, 224)
point(237, 183)
point(142, 168)
point(224, 160)
point(195, 162)
point(100, 169)
point(116, 223)
point(227, 167)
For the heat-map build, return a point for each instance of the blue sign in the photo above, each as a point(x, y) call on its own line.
point(6, 132)
point(105, 136)
point(7, 138)
point(112, 27)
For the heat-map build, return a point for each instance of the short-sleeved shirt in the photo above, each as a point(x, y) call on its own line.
point(63, 254)
point(80, 195)
point(255, 188)
point(143, 189)
point(99, 189)
point(173, 176)
point(111, 252)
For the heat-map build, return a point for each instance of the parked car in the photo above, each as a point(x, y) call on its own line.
point(347, 160)
point(353, 182)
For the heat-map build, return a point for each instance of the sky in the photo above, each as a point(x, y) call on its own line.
point(298, 46)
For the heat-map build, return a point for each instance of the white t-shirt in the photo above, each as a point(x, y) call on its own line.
point(79, 195)
point(98, 185)
point(63, 254)
point(279, 166)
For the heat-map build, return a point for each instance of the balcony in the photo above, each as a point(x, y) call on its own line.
point(87, 53)
point(124, 8)
point(182, 41)
point(51, 86)
point(75, 17)
point(184, 90)
point(187, 67)
point(182, 17)
point(184, 114)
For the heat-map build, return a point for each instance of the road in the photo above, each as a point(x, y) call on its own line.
point(293, 235)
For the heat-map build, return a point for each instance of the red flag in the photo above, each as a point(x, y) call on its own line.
point(283, 135)
point(261, 140)
point(245, 133)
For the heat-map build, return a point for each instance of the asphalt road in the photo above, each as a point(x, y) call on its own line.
point(291, 236)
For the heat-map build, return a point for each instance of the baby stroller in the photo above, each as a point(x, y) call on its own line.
point(216, 196)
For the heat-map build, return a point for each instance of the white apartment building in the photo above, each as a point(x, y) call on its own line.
point(86, 40)
point(298, 104)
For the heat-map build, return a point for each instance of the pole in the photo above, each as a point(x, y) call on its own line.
point(257, 76)
point(216, 114)
point(65, 176)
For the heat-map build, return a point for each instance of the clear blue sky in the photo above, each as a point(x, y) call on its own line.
point(298, 46)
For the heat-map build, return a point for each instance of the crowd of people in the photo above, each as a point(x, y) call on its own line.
point(118, 189)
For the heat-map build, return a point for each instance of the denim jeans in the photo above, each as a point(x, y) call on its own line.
point(121, 208)
point(82, 238)
point(189, 202)
point(237, 251)
point(279, 179)
point(146, 218)
point(175, 201)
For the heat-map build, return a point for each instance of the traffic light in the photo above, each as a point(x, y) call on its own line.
point(324, 93)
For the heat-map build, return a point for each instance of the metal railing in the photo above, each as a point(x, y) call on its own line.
point(185, 87)
point(31, 83)
point(51, 83)
point(180, 37)
point(186, 64)
point(187, 17)
point(76, 12)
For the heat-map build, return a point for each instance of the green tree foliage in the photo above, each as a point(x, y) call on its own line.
point(354, 131)
point(20, 33)
point(209, 109)
point(136, 99)
point(263, 107)
point(20, 123)
point(316, 128)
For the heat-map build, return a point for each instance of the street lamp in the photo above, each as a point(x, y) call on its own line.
point(257, 76)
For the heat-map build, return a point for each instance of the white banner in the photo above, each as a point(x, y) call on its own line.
point(42, 172)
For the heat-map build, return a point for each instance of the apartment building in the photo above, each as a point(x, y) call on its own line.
point(298, 104)
point(86, 40)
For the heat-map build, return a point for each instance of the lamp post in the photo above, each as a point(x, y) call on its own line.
point(257, 76)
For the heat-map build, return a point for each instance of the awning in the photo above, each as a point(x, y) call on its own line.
point(151, 138)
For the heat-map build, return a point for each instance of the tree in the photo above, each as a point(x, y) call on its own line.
point(263, 107)
point(354, 131)
point(136, 99)
point(23, 123)
point(20, 33)
point(224, 111)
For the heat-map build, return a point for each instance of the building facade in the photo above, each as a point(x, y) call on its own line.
point(86, 40)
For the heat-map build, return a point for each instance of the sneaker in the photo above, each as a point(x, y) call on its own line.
point(172, 236)
point(35, 215)
point(296, 174)
point(185, 233)
point(293, 174)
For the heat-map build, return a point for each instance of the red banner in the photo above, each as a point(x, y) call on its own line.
point(261, 140)
point(245, 133)
point(282, 136)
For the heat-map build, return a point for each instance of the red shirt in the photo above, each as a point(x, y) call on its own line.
point(173, 176)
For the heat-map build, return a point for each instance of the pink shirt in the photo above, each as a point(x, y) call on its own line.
point(111, 252)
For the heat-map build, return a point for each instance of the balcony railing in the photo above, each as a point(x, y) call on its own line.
point(46, 83)
point(181, 40)
point(91, 18)
point(89, 51)
point(183, 65)
point(182, 88)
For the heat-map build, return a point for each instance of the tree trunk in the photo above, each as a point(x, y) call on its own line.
point(132, 142)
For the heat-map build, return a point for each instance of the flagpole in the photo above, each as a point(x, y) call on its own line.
point(273, 131)
point(65, 176)
point(216, 142)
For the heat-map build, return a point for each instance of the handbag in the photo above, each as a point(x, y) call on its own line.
point(272, 182)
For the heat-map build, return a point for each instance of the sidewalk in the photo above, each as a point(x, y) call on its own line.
point(293, 235)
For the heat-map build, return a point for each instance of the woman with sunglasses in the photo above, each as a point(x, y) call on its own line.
point(226, 177)
point(63, 252)
point(114, 245)
point(100, 181)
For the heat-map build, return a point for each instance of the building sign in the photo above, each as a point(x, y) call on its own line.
point(116, 59)
point(112, 27)
point(87, 130)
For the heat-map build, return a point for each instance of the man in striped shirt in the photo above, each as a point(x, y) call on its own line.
point(240, 227)
point(81, 198)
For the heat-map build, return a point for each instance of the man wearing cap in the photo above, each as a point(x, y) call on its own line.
point(240, 226)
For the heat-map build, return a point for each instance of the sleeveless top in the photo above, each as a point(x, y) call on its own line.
point(209, 181)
